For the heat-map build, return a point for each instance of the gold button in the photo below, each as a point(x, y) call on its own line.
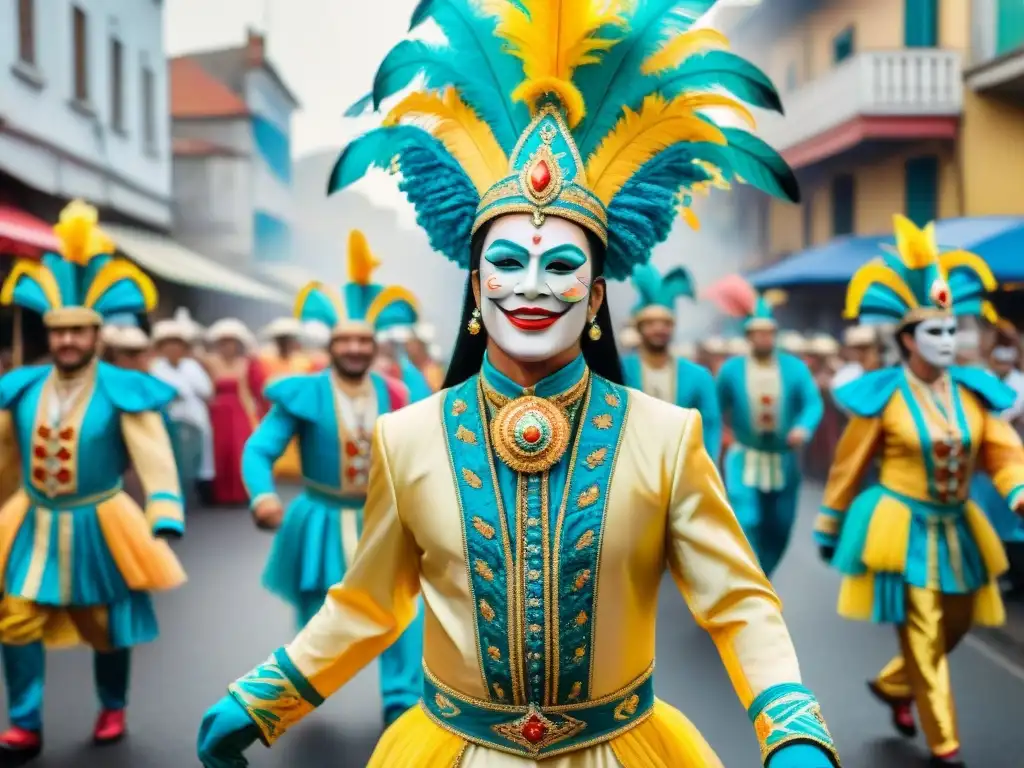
point(533, 574)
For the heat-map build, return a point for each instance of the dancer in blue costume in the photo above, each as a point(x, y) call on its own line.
point(536, 502)
point(78, 558)
point(332, 414)
point(772, 404)
point(913, 550)
point(652, 369)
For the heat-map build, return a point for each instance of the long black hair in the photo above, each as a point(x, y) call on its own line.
point(602, 356)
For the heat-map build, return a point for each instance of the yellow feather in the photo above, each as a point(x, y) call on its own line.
point(466, 137)
point(35, 271)
point(80, 236)
point(552, 38)
point(389, 296)
point(988, 312)
point(874, 273)
point(639, 136)
point(698, 101)
point(953, 259)
point(674, 50)
point(690, 218)
point(361, 261)
point(114, 272)
point(775, 297)
point(916, 247)
point(316, 286)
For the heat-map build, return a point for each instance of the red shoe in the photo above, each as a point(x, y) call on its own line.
point(948, 760)
point(902, 711)
point(18, 747)
point(110, 727)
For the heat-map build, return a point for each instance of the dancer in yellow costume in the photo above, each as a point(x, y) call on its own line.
point(536, 502)
point(914, 551)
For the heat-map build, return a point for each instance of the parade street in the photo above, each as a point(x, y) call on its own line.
point(223, 623)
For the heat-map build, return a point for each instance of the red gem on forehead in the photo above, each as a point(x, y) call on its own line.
point(536, 239)
point(540, 176)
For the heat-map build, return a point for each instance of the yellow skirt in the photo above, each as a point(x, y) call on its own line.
point(289, 466)
point(666, 739)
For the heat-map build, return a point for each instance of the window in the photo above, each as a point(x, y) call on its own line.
point(116, 84)
point(842, 45)
point(842, 205)
point(920, 26)
point(922, 189)
point(81, 54)
point(148, 109)
point(27, 31)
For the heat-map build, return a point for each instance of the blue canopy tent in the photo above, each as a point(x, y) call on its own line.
point(997, 239)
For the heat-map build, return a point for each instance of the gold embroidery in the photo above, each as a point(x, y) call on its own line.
point(763, 726)
point(612, 400)
point(484, 570)
point(585, 541)
point(485, 530)
point(596, 458)
point(549, 731)
point(534, 602)
point(499, 691)
point(588, 497)
point(579, 653)
point(581, 579)
point(533, 574)
point(575, 691)
point(471, 478)
point(494, 653)
point(465, 435)
point(627, 707)
point(486, 611)
point(459, 407)
point(536, 628)
point(581, 618)
point(603, 421)
point(446, 706)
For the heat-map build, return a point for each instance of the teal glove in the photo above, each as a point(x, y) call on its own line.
point(226, 732)
point(799, 755)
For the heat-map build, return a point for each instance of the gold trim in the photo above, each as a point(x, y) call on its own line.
point(563, 399)
point(65, 548)
point(553, 732)
point(506, 422)
point(547, 558)
point(654, 312)
point(40, 554)
point(71, 317)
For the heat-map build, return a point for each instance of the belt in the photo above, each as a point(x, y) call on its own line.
point(71, 502)
point(537, 731)
point(329, 495)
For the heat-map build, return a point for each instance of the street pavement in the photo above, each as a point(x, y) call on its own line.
point(222, 623)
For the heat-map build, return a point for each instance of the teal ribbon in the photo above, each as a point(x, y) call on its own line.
point(72, 501)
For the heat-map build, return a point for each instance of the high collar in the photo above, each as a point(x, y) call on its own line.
point(558, 383)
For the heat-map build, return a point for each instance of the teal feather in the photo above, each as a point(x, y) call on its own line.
point(758, 164)
point(360, 106)
point(376, 148)
point(474, 61)
point(616, 81)
point(725, 70)
point(647, 283)
point(677, 283)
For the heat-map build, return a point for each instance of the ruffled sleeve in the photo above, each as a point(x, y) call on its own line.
point(17, 382)
point(133, 391)
point(299, 396)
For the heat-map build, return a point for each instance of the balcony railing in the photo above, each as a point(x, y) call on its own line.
point(915, 82)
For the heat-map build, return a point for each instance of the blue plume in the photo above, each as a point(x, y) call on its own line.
point(376, 148)
point(616, 81)
point(722, 69)
point(758, 164)
point(647, 282)
point(474, 61)
point(360, 106)
point(122, 298)
point(29, 295)
point(677, 282)
point(639, 217)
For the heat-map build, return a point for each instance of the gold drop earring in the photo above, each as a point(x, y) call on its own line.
point(595, 330)
point(473, 326)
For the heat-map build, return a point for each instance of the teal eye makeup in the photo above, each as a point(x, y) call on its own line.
point(563, 259)
point(505, 255)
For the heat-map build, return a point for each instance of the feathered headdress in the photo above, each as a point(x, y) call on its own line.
point(591, 110)
point(361, 306)
point(915, 282)
point(738, 298)
point(83, 285)
point(658, 293)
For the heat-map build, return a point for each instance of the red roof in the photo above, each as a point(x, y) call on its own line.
point(22, 234)
point(199, 148)
point(194, 93)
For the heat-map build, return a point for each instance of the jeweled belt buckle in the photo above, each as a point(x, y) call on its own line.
point(535, 731)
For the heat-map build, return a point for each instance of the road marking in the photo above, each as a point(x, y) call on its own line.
point(999, 659)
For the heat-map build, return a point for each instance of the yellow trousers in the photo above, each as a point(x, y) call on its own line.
point(935, 625)
point(23, 622)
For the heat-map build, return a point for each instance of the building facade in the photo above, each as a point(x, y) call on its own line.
point(231, 123)
point(83, 108)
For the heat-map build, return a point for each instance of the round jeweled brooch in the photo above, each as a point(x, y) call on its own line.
point(530, 434)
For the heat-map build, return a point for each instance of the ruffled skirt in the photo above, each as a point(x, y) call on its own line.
point(666, 739)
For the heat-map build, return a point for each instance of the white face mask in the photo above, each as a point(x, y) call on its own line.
point(535, 286)
point(936, 341)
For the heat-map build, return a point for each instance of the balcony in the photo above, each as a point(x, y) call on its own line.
point(873, 97)
point(997, 48)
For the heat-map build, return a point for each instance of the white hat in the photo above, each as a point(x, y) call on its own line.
point(823, 345)
point(165, 330)
point(282, 327)
point(401, 334)
point(686, 349)
point(792, 342)
point(714, 345)
point(860, 336)
point(629, 337)
point(315, 334)
point(183, 316)
point(231, 328)
point(110, 335)
point(737, 346)
point(435, 352)
point(425, 332)
point(131, 339)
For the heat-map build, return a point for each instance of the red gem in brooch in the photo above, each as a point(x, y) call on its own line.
point(531, 434)
point(540, 177)
point(63, 475)
point(63, 454)
point(533, 730)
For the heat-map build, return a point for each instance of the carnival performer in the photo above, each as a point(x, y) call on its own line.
point(285, 357)
point(237, 404)
point(331, 416)
point(78, 558)
point(505, 497)
point(653, 369)
point(913, 551)
point(408, 372)
point(772, 404)
point(420, 352)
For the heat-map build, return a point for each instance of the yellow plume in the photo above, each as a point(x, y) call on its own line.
point(953, 259)
point(361, 261)
point(775, 297)
point(80, 236)
point(916, 247)
point(988, 312)
point(874, 273)
point(552, 38)
point(35, 271)
point(114, 272)
point(639, 136)
point(674, 50)
point(466, 137)
point(389, 296)
point(317, 287)
point(698, 101)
